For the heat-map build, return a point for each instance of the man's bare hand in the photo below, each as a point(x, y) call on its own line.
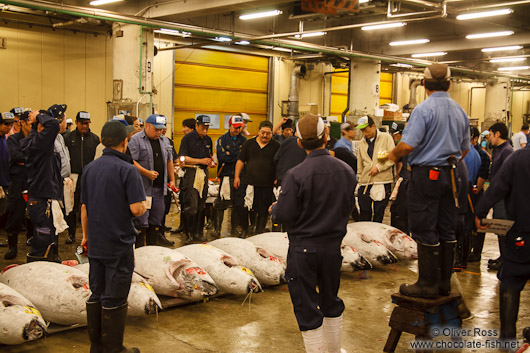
point(373, 171)
point(152, 174)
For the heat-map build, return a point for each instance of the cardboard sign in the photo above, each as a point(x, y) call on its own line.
point(330, 6)
point(497, 226)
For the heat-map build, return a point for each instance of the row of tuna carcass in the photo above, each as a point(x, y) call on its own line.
point(39, 291)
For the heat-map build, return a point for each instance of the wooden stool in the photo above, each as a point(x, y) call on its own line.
point(418, 316)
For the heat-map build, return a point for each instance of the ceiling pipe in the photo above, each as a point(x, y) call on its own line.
point(492, 6)
point(295, 45)
point(391, 13)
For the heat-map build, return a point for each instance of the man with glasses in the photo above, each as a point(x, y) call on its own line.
point(257, 156)
point(82, 144)
point(153, 156)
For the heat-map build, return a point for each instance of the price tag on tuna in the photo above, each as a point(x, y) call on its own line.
point(273, 258)
point(244, 269)
point(31, 310)
point(196, 270)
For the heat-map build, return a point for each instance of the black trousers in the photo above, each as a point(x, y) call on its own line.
point(370, 210)
point(515, 269)
point(41, 216)
point(110, 279)
point(307, 269)
point(399, 209)
point(432, 210)
point(16, 207)
point(193, 203)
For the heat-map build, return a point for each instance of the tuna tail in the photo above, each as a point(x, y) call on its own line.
point(34, 330)
point(363, 264)
point(151, 307)
point(254, 286)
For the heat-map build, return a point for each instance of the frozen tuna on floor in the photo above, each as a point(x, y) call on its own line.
point(228, 272)
point(58, 291)
point(372, 250)
point(352, 260)
point(173, 274)
point(142, 299)
point(402, 245)
point(277, 243)
point(20, 321)
point(268, 269)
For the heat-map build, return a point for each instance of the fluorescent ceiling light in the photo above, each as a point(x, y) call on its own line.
point(470, 16)
point(383, 26)
point(511, 47)
point(363, 1)
point(402, 65)
point(252, 16)
point(425, 55)
point(102, 2)
point(313, 34)
point(410, 42)
point(172, 32)
point(513, 68)
point(223, 39)
point(489, 35)
point(287, 50)
point(243, 42)
point(505, 60)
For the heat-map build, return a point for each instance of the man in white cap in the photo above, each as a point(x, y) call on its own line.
point(348, 134)
point(435, 138)
point(316, 216)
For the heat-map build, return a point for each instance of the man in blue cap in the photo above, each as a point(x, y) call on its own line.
point(154, 159)
point(82, 144)
point(45, 186)
point(112, 193)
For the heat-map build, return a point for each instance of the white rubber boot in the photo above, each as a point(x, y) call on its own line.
point(314, 340)
point(333, 333)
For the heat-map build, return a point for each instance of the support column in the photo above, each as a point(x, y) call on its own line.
point(132, 64)
point(497, 102)
point(364, 88)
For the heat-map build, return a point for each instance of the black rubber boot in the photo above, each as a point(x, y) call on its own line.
point(495, 265)
point(253, 216)
point(12, 240)
point(261, 223)
point(93, 315)
point(447, 259)
point(112, 330)
point(477, 244)
point(140, 238)
point(72, 224)
point(428, 273)
point(218, 222)
point(159, 237)
point(234, 221)
point(150, 236)
point(465, 250)
point(509, 308)
point(54, 253)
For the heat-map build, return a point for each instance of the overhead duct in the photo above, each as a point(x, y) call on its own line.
point(413, 101)
point(298, 71)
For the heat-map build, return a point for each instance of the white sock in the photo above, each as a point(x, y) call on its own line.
point(333, 333)
point(314, 340)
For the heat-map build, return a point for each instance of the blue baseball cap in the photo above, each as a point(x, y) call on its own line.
point(121, 119)
point(158, 121)
point(204, 120)
point(57, 110)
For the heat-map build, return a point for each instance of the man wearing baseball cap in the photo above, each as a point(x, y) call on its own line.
point(348, 134)
point(112, 193)
point(228, 147)
point(17, 111)
point(82, 144)
point(6, 123)
point(196, 150)
point(316, 216)
point(153, 157)
point(18, 182)
point(435, 138)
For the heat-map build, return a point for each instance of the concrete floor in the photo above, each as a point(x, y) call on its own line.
point(267, 324)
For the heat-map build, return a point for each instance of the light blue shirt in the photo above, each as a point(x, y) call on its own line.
point(344, 142)
point(473, 162)
point(437, 129)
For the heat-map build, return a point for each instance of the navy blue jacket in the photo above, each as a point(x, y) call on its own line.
point(16, 156)
point(4, 162)
point(485, 161)
point(43, 163)
point(316, 200)
point(499, 155)
point(82, 149)
point(108, 186)
point(288, 155)
point(228, 150)
point(513, 181)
